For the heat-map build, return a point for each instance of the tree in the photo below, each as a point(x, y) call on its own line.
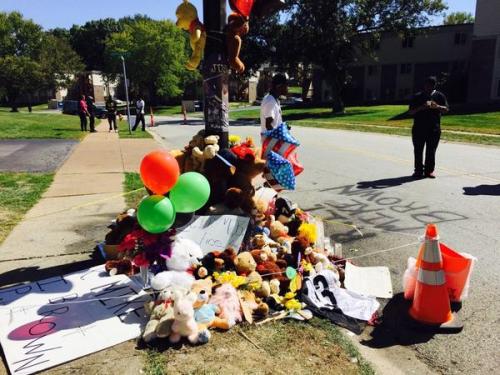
point(155, 53)
point(89, 41)
point(31, 59)
point(328, 34)
point(457, 18)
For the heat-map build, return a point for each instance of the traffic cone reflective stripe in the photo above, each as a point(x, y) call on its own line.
point(434, 278)
point(431, 304)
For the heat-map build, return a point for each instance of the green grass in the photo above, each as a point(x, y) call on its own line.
point(38, 107)
point(295, 90)
point(168, 110)
point(18, 193)
point(335, 335)
point(133, 182)
point(24, 125)
point(235, 105)
point(138, 133)
point(370, 119)
point(155, 363)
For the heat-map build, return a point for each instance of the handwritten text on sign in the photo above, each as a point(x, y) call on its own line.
point(216, 233)
point(53, 321)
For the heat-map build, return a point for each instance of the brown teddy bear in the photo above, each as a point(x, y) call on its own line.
point(237, 27)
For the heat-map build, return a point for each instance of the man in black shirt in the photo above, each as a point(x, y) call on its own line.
point(91, 111)
point(427, 107)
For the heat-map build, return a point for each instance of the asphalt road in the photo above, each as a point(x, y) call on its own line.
point(44, 155)
point(362, 179)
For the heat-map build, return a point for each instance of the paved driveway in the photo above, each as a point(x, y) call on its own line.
point(44, 155)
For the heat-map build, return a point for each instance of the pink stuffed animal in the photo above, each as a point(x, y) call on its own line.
point(226, 297)
point(184, 324)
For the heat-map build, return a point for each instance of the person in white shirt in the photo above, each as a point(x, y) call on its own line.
point(139, 108)
point(270, 108)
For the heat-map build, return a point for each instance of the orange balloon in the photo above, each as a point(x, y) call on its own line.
point(159, 171)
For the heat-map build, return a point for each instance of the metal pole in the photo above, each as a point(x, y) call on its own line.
point(126, 94)
point(216, 72)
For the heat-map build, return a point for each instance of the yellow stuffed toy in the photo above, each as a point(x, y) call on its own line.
point(187, 19)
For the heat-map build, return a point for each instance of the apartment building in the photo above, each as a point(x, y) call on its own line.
point(465, 57)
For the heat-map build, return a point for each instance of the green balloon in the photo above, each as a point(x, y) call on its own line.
point(156, 214)
point(190, 193)
point(291, 273)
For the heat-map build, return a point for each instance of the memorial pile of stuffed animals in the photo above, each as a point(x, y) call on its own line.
point(274, 264)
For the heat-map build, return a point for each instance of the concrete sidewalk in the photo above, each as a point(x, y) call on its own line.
point(74, 212)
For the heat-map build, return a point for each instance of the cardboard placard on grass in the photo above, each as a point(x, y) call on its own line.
point(53, 321)
point(216, 232)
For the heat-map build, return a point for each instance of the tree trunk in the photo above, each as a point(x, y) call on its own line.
point(337, 84)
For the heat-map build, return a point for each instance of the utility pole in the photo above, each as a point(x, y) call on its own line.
point(126, 94)
point(216, 72)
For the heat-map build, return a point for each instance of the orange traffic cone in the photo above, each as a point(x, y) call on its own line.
point(431, 303)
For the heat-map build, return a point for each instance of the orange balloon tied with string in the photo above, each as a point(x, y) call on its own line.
point(159, 171)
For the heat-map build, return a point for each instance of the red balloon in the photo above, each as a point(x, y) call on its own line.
point(159, 171)
point(243, 7)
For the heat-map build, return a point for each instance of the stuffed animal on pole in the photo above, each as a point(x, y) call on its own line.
point(187, 19)
point(237, 27)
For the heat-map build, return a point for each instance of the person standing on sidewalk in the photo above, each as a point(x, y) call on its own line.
point(427, 107)
point(91, 112)
point(139, 108)
point(111, 113)
point(83, 113)
point(270, 108)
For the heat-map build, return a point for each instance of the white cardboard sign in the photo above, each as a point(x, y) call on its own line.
point(216, 232)
point(56, 320)
point(369, 281)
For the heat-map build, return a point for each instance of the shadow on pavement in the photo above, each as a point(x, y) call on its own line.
point(483, 190)
point(35, 273)
point(396, 328)
point(385, 183)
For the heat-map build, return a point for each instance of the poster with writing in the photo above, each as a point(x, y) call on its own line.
point(217, 232)
point(49, 322)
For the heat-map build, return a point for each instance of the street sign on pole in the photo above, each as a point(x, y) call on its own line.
point(216, 72)
point(126, 94)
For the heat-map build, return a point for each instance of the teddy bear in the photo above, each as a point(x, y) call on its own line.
point(187, 20)
point(206, 314)
point(226, 298)
point(279, 233)
point(161, 310)
point(237, 27)
point(216, 261)
point(184, 324)
point(120, 227)
point(208, 151)
point(234, 200)
point(244, 263)
point(267, 267)
point(251, 305)
point(119, 267)
point(185, 256)
point(246, 266)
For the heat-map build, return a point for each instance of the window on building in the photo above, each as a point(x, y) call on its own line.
point(405, 69)
point(369, 94)
point(408, 42)
point(372, 70)
point(460, 39)
point(498, 88)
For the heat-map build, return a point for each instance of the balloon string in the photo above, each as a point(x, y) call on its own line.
point(91, 203)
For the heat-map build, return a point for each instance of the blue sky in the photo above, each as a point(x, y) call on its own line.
point(65, 13)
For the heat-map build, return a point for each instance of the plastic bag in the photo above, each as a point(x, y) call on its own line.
point(457, 268)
